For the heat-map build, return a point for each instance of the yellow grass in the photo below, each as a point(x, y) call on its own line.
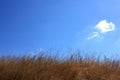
point(53, 68)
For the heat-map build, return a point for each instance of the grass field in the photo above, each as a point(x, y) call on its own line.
point(45, 67)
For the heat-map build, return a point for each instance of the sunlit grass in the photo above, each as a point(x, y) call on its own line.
point(44, 67)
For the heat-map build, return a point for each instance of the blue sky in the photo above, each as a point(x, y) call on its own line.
point(29, 25)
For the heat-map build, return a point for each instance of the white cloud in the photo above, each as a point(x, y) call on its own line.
point(36, 52)
point(102, 27)
point(93, 35)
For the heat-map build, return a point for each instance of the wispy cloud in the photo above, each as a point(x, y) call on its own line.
point(95, 35)
point(37, 52)
point(102, 27)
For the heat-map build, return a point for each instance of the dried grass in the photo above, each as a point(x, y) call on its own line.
point(51, 68)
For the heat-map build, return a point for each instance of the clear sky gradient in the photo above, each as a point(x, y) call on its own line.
point(59, 24)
